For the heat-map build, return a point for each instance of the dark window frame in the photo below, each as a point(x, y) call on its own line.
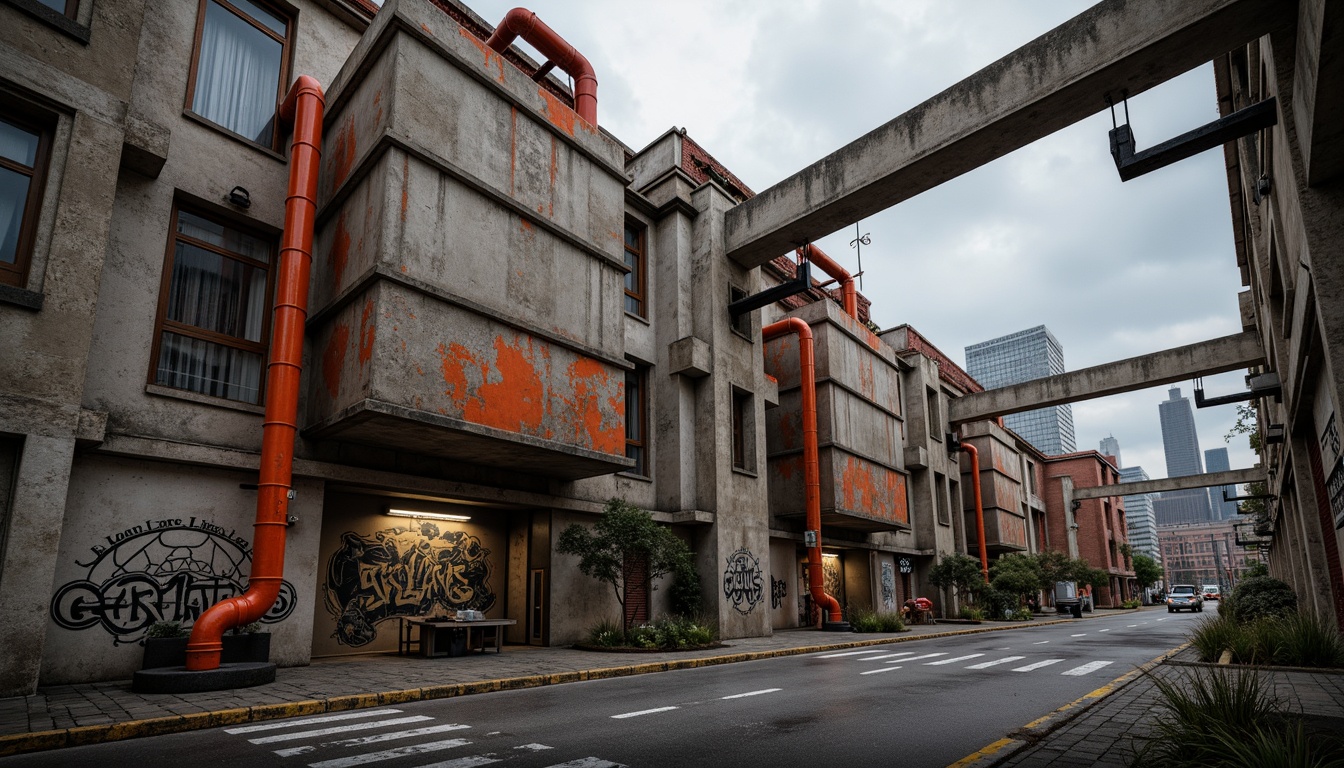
point(744, 422)
point(163, 324)
point(43, 124)
point(638, 443)
point(640, 269)
point(286, 64)
point(71, 9)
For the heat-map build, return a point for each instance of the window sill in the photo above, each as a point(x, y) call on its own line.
point(640, 318)
point(196, 397)
point(217, 128)
point(58, 21)
point(21, 297)
point(635, 476)
point(747, 472)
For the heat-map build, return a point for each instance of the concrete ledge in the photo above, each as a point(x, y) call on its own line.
point(223, 678)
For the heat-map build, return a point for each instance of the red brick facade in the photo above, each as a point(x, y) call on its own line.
point(1101, 522)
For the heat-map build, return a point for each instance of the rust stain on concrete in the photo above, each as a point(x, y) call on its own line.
point(788, 466)
point(560, 115)
point(366, 333)
point(343, 153)
point(340, 252)
point(873, 490)
point(405, 184)
point(489, 56)
point(333, 359)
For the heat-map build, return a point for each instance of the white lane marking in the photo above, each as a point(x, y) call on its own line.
point(1131, 626)
point(1104, 630)
point(887, 656)
point(1080, 634)
point(534, 747)
point(391, 754)
point(988, 664)
point(587, 762)
point(1043, 642)
point(917, 658)
point(875, 671)
point(1158, 620)
point(1038, 665)
point(751, 693)
point(393, 736)
point(953, 660)
point(464, 762)
point(1091, 666)
point(850, 653)
point(642, 712)
point(311, 720)
point(339, 729)
point(292, 751)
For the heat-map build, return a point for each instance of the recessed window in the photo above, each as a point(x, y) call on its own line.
point(744, 431)
point(941, 497)
point(67, 8)
point(637, 260)
point(213, 319)
point(241, 50)
point(24, 148)
point(741, 323)
point(636, 416)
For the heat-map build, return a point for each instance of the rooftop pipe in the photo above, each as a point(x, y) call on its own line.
point(303, 108)
point(979, 507)
point(523, 23)
point(811, 465)
point(848, 293)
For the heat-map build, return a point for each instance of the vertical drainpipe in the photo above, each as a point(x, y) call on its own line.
point(979, 507)
point(811, 464)
point(303, 108)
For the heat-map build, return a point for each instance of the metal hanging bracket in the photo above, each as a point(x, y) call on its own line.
point(1131, 164)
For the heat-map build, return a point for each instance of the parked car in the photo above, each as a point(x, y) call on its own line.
point(1184, 597)
point(1212, 592)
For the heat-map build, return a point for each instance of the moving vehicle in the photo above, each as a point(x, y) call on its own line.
point(1184, 597)
point(1212, 592)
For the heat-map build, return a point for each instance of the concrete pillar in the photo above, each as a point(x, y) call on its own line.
point(1070, 522)
point(36, 513)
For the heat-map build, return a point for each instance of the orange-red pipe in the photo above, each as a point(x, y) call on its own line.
point(979, 507)
point(849, 294)
point(523, 23)
point(303, 108)
point(811, 464)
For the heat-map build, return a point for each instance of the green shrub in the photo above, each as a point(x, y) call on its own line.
point(971, 613)
point(1261, 597)
point(996, 603)
point(1214, 635)
point(1131, 603)
point(670, 633)
point(865, 620)
point(1307, 639)
point(684, 594)
point(166, 629)
point(1022, 614)
point(605, 634)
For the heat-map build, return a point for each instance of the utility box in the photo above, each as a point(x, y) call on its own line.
point(467, 295)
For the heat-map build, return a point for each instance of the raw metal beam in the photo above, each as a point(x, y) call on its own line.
point(1210, 480)
point(1205, 358)
point(1048, 84)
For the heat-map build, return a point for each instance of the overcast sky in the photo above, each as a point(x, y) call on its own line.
point(1048, 235)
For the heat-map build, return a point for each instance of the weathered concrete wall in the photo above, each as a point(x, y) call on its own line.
point(785, 584)
point(152, 541)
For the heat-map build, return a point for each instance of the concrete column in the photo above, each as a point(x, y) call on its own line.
point(1070, 522)
point(36, 512)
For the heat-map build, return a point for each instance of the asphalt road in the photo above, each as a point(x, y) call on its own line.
point(922, 703)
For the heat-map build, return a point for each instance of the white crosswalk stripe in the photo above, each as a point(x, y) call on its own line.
point(653, 711)
point(917, 658)
point(851, 653)
point(389, 754)
point(339, 729)
point(274, 726)
point(587, 762)
point(463, 762)
point(887, 656)
point(1092, 666)
point(1037, 665)
point(953, 661)
point(875, 671)
point(394, 735)
point(988, 664)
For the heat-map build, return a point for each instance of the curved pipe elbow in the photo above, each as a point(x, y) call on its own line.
point(849, 294)
point(206, 644)
point(520, 22)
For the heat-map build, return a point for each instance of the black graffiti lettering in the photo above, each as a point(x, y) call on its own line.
point(742, 583)
point(779, 590)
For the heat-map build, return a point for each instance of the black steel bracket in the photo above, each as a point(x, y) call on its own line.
point(1261, 385)
point(1132, 164)
point(798, 284)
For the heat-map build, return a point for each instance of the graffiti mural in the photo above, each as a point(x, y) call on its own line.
point(161, 570)
point(403, 572)
point(742, 582)
point(888, 587)
point(779, 589)
point(832, 579)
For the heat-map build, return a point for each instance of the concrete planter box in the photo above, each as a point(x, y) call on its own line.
point(172, 651)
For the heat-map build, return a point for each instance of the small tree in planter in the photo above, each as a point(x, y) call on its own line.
point(625, 535)
point(165, 645)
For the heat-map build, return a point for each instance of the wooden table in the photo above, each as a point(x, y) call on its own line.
point(434, 637)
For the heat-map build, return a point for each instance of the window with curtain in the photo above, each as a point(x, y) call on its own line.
point(241, 49)
point(636, 413)
point(213, 314)
point(24, 146)
point(635, 259)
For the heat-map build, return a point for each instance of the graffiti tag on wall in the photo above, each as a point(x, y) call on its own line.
point(161, 570)
point(742, 582)
point(779, 589)
point(888, 586)
point(832, 579)
point(403, 572)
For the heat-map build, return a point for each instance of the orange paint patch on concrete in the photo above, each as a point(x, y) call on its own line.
point(426, 29)
point(788, 467)
point(366, 333)
point(867, 387)
point(333, 359)
point(404, 270)
point(559, 113)
point(590, 379)
point(340, 252)
point(489, 56)
point(405, 184)
point(869, 489)
point(378, 103)
point(788, 430)
point(343, 153)
point(550, 206)
point(513, 146)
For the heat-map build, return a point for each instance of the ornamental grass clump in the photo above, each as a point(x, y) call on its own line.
point(865, 620)
point(1307, 639)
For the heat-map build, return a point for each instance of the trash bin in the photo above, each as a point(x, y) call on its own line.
point(1076, 610)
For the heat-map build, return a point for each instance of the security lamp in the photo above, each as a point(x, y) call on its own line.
point(240, 197)
point(428, 515)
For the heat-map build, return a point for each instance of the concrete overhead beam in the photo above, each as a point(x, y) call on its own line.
point(1204, 358)
point(1210, 480)
point(1048, 84)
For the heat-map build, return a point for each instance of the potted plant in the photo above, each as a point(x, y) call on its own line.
point(246, 643)
point(165, 645)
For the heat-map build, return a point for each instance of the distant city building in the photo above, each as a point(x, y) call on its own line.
point(1202, 553)
point(1111, 447)
point(1216, 460)
point(1031, 354)
point(1180, 442)
point(1139, 516)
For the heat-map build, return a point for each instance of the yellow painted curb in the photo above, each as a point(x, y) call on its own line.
point(18, 743)
point(990, 751)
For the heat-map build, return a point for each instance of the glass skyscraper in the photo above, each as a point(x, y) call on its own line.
point(1216, 460)
point(1031, 354)
point(1181, 445)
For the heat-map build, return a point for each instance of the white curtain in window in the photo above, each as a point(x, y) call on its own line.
point(209, 368)
point(238, 75)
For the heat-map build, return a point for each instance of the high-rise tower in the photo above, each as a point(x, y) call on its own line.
point(1031, 354)
point(1181, 445)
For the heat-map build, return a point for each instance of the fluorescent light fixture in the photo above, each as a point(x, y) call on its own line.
point(427, 515)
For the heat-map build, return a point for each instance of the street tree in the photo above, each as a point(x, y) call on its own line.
point(626, 549)
point(1146, 570)
point(957, 572)
point(1016, 575)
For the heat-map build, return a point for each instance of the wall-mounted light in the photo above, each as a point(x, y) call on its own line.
point(240, 197)
point(428, 515)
